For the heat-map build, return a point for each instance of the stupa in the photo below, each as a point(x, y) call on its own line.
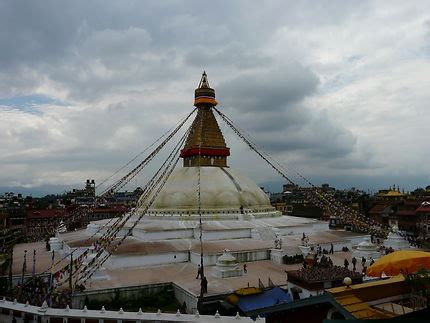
point(236, 213)
point(225, 193)
point(396, 241)
point(366, 249)
point(227, 266)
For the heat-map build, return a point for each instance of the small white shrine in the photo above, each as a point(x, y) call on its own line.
point(366, 249)
point(227, 266)
point(396, 241)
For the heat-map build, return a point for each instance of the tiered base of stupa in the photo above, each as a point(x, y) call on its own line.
point(168, 251)
point(161, 242)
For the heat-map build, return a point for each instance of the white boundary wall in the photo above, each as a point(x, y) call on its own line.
point(45, 314)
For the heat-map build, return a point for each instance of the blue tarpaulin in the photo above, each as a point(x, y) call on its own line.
point(268, 298)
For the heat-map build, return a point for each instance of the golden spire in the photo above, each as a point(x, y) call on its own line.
point(204, 83)
point(205, 145)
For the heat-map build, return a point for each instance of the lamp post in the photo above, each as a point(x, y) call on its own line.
point(10, 268)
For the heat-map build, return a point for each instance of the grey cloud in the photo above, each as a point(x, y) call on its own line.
point(271, 90)
point(234, 54)
point(126, 70)
point(270, 104)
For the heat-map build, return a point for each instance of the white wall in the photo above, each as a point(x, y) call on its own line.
point(305, 293)
point(223, 235)
point(162, 235)
point(242, 256)
point(124, 261)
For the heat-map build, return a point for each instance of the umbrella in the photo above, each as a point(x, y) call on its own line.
point(408, 261)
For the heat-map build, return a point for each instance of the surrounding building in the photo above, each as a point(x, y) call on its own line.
point(12, 219)
point(379, 299)
point(40, 223)
point(293, 200)
point(83, 196)
point(409, 212)
point(125, 199)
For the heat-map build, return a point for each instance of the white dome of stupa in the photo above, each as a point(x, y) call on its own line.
point(223, 192)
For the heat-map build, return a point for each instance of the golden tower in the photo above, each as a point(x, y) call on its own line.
point(205, 145)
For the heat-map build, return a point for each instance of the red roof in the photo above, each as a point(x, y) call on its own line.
point(110, 210)
point(412, 203)
point(45, 213)
point(378, 208)
point(424, 209)
point(406, 213)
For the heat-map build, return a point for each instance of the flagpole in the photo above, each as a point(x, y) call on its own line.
point(24, 268)
point(34, 262)
point(10, 269)
point(51, 278)
point(70, 277)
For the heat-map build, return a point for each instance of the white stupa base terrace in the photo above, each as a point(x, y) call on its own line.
point(140, 263)
point(163, 242)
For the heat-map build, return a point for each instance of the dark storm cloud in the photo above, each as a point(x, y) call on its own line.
point(270, 104)
point(269, 91)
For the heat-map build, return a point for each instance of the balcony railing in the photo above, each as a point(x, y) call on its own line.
point(19, 311)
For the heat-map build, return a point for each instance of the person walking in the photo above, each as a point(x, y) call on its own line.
point(364, 271)
point(245, 270)
point(331, 248)
point(346, 263)
point(354, 263)
point(204, 285)
point(363, 262)
point(199, 272)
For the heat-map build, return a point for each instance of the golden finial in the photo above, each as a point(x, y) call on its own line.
point(204, 83)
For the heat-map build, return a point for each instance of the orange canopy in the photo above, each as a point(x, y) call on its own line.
point(403, 261)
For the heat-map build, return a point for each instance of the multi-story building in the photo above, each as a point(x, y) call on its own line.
point(83, 196)
point(106, 212)
point(423, 219)
point(12, 219)
point(293, 200)
point(126, 199)
point(41, 223)
point(409, 212)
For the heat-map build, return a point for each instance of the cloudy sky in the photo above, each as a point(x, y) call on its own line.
point(336, 90)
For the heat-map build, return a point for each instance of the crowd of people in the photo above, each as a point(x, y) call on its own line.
point(33, 292)
point(386, 251)
point(38, 290)
point(39, 232)
point(364, 263)
point(321, 268)
point(325, 273)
